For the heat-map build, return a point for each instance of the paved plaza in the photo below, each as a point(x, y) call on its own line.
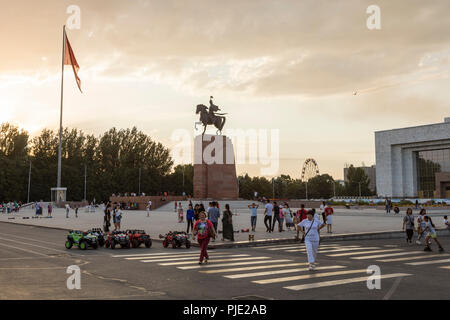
point(164, 219)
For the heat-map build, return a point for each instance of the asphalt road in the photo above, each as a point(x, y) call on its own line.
point(34, 262)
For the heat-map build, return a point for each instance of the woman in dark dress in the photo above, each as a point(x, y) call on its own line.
point(227, 224)
point(107, 218)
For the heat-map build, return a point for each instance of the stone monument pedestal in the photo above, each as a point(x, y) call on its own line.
point(214, 168)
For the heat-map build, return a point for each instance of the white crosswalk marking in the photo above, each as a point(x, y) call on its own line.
point(361, 252)
point(158, 254)
point(256, 267)
point(268, 273)
point(303, 247)
point(294, 246)
point(445, 267)
point(214, 261)
point(309, 276)
point(196, 257)
point(428, 262)
point(234, 264)
point(342, 282)
point(326, 250)
point(386, 255)
point(423, 256)
point(331, 249)
point(196, 254)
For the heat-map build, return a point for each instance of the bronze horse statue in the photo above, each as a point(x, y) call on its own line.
point(210, 118)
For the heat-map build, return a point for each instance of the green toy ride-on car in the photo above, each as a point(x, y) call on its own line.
point(81, 239)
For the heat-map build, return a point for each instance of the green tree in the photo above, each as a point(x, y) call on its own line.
point(357, 180)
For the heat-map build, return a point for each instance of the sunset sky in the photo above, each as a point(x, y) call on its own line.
point(287, 65)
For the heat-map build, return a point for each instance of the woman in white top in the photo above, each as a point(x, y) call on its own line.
point(310, 228)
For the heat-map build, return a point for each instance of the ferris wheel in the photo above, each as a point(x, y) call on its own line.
point(310, 169)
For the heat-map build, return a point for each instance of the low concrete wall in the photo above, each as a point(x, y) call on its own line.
point(157, 201)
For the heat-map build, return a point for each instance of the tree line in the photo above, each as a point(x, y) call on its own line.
point(116, 159)
point(319, 187)
point(113, 162)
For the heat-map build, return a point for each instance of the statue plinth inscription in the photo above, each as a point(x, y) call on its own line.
point(214, 168)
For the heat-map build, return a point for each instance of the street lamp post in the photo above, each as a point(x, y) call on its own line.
point(29, 183)
point(85, 174)
point(183, 179)
point(273, 188)
point(306, 190)
point(139, 192)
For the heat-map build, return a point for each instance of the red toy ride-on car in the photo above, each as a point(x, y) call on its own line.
point(176, 239)
point(138, 237)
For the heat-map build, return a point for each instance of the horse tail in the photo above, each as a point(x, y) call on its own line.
point(223, 123)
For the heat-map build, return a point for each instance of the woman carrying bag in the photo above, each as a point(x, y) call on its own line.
point(204, 230)
point(310, 228)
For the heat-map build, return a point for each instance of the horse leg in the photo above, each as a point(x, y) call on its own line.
point(204, 129)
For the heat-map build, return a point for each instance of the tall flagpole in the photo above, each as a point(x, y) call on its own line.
point(61, 112)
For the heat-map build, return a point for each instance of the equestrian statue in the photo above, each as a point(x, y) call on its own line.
point(211, 116)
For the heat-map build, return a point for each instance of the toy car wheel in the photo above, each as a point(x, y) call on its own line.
point(83, 245)
point(101, 242)
point(188, 244)
point(165, 244)
point(148, 243)
point(135, 243)
point(174, 244)
point(95, 245)
point(68, 244)
point(113, 244)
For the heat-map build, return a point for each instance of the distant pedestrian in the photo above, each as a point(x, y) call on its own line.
point(76, 212)
point(387, 205)
point(431, 234)
point(214, 215)
point(276, 216)
point(180, 213)
point(288, 216)
point(227, 224)
point(176, 203)
point(310, 228)
point(408, 225)
point(148, 209)
point(190, 218)
point(329, 218)
point(107, 219)
point(253, 215)
point(322, 211)
point(49, 210)
point(67, 210)
point(196, 211)
point(204, 230)
point(421, 224)
point(446, 222)
point(281, 219)
point(268, 216)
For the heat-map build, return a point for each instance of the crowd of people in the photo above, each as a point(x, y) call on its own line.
point(10, 206)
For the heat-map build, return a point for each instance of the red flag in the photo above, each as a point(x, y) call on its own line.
point(69, 59)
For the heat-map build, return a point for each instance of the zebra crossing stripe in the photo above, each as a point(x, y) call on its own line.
point(445, 267)
point(341, 282)
point(361, 252)
point(386, 255)
point(244, 263)
point(293, 246)
point(156, 254)
point(268, 273)
point(427, 262)
point(256, 267)
point(174, 256)
point(423, 256)
point(303, 246)
point(193, 258)
point(335, 250)
point(310, 276)
point(219, 260)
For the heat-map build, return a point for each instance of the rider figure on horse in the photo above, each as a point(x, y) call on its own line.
point(212, 109)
